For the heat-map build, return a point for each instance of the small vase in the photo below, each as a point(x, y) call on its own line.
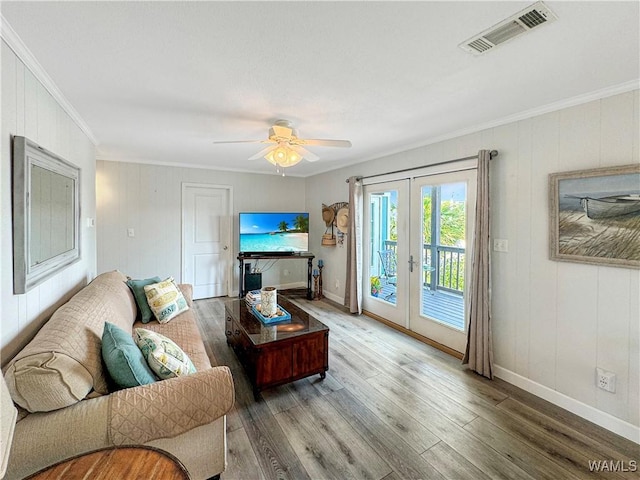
point(269, 301)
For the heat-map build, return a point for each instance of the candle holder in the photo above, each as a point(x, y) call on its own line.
point(319, 295)
point(315, 283)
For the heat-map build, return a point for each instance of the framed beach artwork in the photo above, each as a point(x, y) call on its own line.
point(595, 216)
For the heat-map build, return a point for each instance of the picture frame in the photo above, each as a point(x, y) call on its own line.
point(595, 216)
point(45, 214)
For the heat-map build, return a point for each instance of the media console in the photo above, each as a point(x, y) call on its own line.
point(271, 256)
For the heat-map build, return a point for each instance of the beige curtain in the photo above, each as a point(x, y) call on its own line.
point(353, 294)
point(479, 352)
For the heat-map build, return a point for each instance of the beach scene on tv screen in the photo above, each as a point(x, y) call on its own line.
point(274, 232)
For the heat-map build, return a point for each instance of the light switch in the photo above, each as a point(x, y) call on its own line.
point(131, 232)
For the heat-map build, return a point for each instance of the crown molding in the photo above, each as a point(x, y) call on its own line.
point(15, 43)
point(562, 104)
point(524, 115)
point(106, 158)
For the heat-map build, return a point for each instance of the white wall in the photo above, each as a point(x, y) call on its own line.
point(553, 322)
point(328, 189)
point(148, 199)
point(29, 110)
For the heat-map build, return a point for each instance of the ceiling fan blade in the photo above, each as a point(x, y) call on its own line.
point(263, 152)
point(245, 141)
point(304, 153)
point(324, 143)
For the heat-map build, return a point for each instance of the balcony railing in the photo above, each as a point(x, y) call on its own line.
point(445, 274)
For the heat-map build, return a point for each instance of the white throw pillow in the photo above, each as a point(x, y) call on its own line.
point(164, 357)
point(165, 300)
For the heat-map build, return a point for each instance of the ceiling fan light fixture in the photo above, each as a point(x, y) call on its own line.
point(283, 156)
point(286, 148)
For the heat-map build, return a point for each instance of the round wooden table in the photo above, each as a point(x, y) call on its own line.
point(133, 462)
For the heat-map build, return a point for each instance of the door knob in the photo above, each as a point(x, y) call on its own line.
point(226, 248)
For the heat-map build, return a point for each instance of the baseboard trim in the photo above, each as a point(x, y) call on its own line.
point(603, 419)
point(417, 336)
point(334, 297)
point(285, 286)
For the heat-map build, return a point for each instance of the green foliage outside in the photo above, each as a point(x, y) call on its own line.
point(452, 222)
point(450, 272)
point(393, 223)
point(452, 234)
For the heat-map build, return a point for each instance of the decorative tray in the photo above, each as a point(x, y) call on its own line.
point(281, 315)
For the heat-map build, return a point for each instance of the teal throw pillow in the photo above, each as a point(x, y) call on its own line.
point(137, 287)
point(124, 360)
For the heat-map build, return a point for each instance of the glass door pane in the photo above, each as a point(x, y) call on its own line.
point(386, 210)
point(384, 242)
point(443, 252)
point(441, 222)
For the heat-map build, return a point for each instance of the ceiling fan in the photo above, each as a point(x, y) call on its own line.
point(286, 148)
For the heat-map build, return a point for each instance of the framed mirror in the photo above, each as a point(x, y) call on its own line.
point(46, 214)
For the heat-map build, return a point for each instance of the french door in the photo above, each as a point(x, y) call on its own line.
point(442, 227)
point(426, 225)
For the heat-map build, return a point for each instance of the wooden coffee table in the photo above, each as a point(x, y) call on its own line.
point(280, 353)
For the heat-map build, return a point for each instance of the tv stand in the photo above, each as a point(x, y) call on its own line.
point(270, 256)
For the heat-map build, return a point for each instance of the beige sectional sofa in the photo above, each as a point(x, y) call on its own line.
point(67, 406)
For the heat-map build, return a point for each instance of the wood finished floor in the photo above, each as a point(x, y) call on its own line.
point(392, 407)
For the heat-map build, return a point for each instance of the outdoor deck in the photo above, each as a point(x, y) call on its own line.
point(443, 306)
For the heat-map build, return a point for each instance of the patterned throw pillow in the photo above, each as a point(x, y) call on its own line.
point(137, 288)
point(165, 300)
point(164, 357)
point(124, 361)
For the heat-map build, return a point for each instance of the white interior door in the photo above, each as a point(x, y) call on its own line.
point(206, 233)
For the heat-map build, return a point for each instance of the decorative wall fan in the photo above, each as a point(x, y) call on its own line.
point(286, 148)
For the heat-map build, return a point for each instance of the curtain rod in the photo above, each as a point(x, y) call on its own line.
point(493, 153)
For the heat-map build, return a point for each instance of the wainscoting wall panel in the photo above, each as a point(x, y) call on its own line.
point(28, 109)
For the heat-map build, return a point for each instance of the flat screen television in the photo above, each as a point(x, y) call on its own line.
point(274, 233)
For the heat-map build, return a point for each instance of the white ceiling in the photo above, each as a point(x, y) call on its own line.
point(158, 82)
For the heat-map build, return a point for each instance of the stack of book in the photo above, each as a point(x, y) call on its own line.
point(252, 297)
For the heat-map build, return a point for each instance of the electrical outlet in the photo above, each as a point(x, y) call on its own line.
point(606, 380)
point(500, 245)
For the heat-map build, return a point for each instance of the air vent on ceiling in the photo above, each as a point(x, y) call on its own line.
point(523, 21)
